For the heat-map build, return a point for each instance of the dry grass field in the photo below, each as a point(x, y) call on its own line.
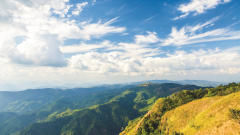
point(204, 116)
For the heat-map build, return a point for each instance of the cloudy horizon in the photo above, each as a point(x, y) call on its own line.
point(105, 41)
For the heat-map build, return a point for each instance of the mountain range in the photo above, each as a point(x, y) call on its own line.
point(141, 108)
point(97, 110)
point(58, 85)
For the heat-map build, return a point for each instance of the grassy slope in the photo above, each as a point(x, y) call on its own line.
point(204, 116)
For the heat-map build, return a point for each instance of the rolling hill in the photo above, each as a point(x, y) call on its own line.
point(208, 111)
point(29, 100)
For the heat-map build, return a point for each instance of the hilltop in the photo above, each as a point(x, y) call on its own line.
point(208, 111)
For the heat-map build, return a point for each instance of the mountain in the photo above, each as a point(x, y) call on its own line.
point(76, 100)
point(209, 111)
point(32, 99)
point(4, 116)
point(59, 85)
point(202, 83)
point(106, 118)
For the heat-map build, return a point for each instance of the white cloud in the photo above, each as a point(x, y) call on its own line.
point(148, 19)
point(199, 7)
point(93, 2)
point(181, 16)
point(199, 27)
point(150, 38)
point(38, 50)
point(42, 37)
point(85, 47)
point(232, 70)
point(193, 34)
point(79, 8)
point(128, 50)
point(31, 20)
point(99, 29)
point(43, 33)
point(93, 66)
point(180, 62)
point(64, 11)
point(134, 50)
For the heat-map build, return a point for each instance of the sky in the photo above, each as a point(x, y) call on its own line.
point(109, 41)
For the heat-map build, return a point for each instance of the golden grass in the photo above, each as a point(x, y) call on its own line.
point(204, 116)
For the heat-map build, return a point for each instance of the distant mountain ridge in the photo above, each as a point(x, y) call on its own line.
point(20, 102)
point(20, 87)
point(202, 83)
point(32, 99)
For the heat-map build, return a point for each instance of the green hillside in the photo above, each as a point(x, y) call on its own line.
point(208, 111)
point(106, 118)
point(4, 116)
point(29, 100)
point(20, 121)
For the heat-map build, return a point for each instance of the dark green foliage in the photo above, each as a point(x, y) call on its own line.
point(176, 133)
point(235, 115)
point(4, 116)
point(104, 119)
point(21, 121)
point(29, 100)
point(223, 90)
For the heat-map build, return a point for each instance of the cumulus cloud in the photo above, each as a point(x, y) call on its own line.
point(150, 38)
point(79, 8)
point(232, 70)
point(94, 64)
point(193, 34)
point(176, 63)
point(39, 50)
point(64, 11)
point(199, 7)
point(43, 33)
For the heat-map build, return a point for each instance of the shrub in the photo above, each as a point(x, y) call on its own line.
point(234, 114)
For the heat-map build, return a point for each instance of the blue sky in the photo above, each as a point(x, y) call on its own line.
point(106, 41)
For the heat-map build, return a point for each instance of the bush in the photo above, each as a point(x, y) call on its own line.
point(234, 114)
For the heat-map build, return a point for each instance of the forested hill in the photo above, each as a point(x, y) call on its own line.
point(32, 99)
point(55, 103)
point(29, 100)
point(209, 111)
point(109, 112)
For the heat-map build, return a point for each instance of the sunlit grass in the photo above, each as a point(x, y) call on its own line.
point(204, 116)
